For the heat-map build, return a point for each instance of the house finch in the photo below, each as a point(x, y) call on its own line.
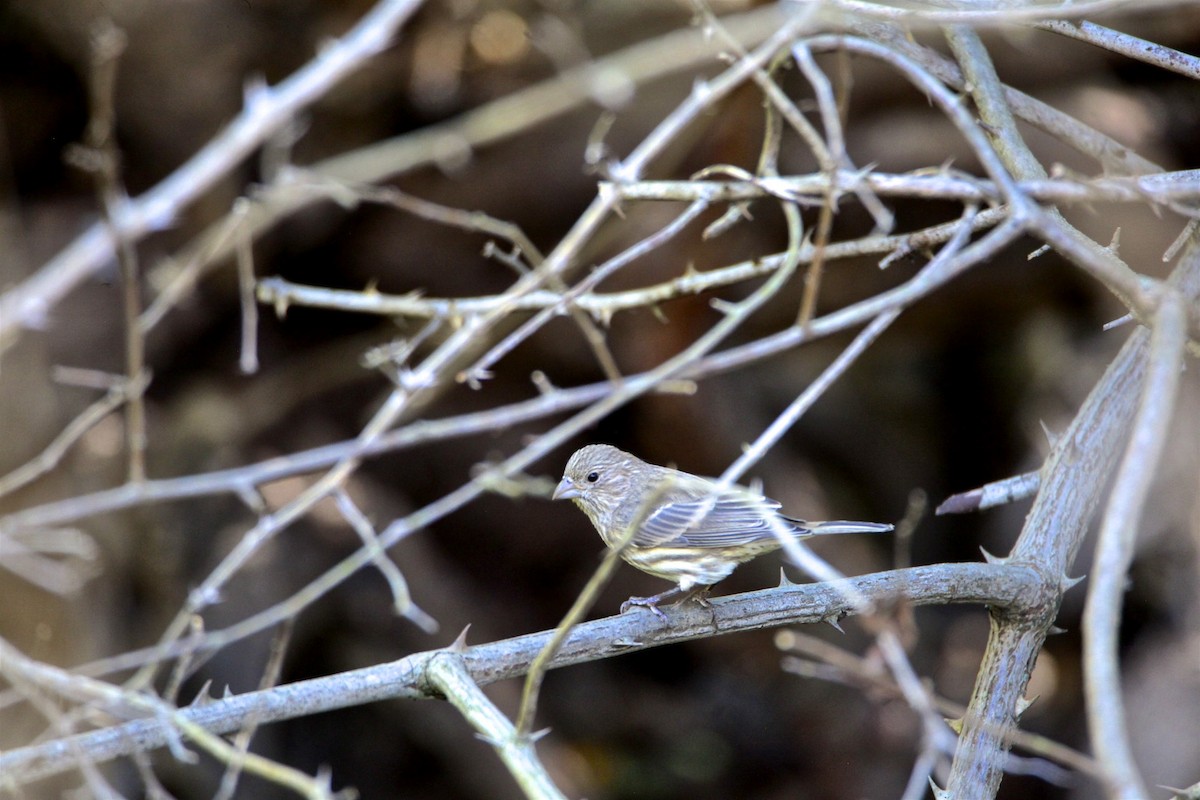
point(687, 529)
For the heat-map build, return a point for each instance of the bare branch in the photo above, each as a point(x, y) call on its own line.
point(1114, 550)
point(1126, 45)
point(1002, 587)
point(447, 673)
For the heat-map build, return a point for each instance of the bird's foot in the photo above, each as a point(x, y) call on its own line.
point(700, 595)
point(646, 602)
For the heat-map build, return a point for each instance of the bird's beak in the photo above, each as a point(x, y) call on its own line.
point(565, 490)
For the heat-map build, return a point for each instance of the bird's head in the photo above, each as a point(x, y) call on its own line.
point(597, 478)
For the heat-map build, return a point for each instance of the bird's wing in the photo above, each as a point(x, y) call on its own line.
point(708, 518)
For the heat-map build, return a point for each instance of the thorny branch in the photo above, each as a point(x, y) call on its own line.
point(501, 660)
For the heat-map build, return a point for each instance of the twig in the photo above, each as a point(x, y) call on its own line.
point(49, 458)
point(101, 157)
point(1163, 188)
point(970, 14)
point(248, 359)
point(1138, 49)
point(402, 600)
point(1114, 549)
point(990, 495)
point(282, 293)
point(447, 673)
point(33, 562)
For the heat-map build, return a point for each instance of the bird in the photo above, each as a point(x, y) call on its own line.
point(686, 529)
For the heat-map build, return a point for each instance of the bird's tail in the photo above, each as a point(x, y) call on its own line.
point(839, 526)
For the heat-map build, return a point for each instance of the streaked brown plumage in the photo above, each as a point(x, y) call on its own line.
point(688, 529)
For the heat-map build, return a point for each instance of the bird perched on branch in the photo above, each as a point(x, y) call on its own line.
point(678, 526)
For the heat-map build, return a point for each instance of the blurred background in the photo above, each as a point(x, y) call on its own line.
point(954, 395)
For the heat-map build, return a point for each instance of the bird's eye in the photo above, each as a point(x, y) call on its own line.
point(592, 477)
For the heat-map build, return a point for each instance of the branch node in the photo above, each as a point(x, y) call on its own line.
point(204, 697)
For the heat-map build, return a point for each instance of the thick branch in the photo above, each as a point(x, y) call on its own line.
point(1004, 587)
point(1074, 477)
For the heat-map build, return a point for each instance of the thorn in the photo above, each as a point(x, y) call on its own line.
point(860, 175)
point(228, 693)
point(938, 794)
point(1054, 630)
point(991, 559)
point(460, 644)
point(1023, 704)
point(1067, 583)
point(1051, 436)
point(956, 725)
point(784, 580)
point(203, 697)
point(833, 620)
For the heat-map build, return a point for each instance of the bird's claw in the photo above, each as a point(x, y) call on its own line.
point(699, 594)
point(644, 602)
